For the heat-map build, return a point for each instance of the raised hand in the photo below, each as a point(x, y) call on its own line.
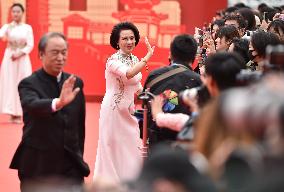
point(68, 93)
point(149, 48)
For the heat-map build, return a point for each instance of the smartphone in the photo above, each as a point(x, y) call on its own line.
point(200, 32)
point(265, 16)
point(200, 40)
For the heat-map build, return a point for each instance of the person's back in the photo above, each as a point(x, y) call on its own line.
point(183, 51)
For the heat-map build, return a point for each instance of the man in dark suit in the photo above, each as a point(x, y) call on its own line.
point(182, 54)
point(54, 119)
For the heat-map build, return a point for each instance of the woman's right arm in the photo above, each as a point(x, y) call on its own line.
point(139, 66)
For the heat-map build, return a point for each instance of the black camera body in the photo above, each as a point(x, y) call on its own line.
point(274, 58)
point(246, 77)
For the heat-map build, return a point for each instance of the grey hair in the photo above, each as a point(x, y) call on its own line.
point(43, 40)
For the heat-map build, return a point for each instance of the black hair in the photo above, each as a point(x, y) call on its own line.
point(239, 18)
point(44, 39)
point(172, 164)
point(278, 9)
point(277, 25)
point(115, 33)
point(240, 5)
point(219, 22)
point(248, 15)
point(223, 67)
point(261, 7)
point(241, 46)
point(270, 12)
point(261, 39)
point(183, 49)
point(229, 32)
point(230, 10)
point(18, 5)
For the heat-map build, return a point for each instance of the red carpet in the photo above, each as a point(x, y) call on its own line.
point(10, 136)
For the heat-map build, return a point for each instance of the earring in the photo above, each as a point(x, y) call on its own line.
point(117, 46)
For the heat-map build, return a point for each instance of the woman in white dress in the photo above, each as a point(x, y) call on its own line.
point(16, 63)
point(119, 153)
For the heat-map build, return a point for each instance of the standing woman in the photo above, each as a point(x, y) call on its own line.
point(118, 153)
point(16, 63)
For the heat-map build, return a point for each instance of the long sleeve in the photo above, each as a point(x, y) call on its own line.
point(30, 40)
point(3, 30)
point(174, 121)
point(82, 120)
point(115, 66)
point(31, 101)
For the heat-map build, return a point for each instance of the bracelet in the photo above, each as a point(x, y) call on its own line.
point(144, 60)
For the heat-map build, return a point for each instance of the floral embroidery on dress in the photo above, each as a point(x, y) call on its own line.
point(118, 96)
point(128, 60)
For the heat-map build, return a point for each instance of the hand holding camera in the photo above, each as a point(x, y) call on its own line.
point(278, 16)
point(189, 97)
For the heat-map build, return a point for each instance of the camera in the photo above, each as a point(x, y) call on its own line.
point(248, 35)
point(246, 77)
point(201, 94)
point(274, 62)
point(274, 58)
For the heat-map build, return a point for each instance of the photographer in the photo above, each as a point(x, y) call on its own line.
point(259, 41)
point(237, 21)
point(240, 46)
point(224, 37)
point(277, 27)
point(221, 70)
point(169, 81)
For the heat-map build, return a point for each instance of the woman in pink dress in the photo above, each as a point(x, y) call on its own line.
point(16, 63)
point(118, 153)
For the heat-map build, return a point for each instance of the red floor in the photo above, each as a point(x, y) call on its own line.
point(10, 135)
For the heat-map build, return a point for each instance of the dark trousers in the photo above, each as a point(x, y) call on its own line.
point(70, 179)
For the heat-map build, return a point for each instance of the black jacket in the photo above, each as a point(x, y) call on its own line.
point(178, 82)
point(47, 135)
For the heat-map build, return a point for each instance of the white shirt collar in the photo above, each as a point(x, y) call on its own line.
point(59, 77)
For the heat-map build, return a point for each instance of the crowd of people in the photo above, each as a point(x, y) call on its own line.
point(215, 120)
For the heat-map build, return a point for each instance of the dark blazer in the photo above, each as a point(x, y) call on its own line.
point(178, 82)
point(48, 136)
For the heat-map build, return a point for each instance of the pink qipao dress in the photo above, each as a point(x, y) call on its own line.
point(118, 153)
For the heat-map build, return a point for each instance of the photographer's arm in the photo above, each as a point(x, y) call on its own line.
point(172, 121)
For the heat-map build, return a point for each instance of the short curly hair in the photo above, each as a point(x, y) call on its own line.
point(238, 18)
point(260, 40)
point(115, 33)
point(228, 31)
point(277, 25)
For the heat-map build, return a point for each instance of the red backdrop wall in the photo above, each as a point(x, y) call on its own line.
point(87, 59)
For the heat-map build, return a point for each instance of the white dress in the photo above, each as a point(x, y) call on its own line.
point(118, 153)
point(19, 38)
